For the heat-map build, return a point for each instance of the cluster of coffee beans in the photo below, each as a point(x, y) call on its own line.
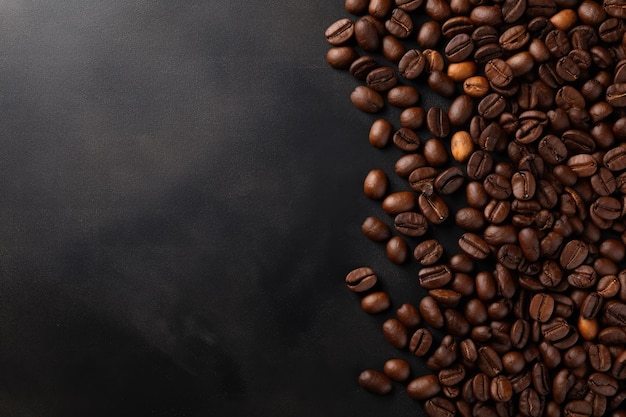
point(527, 316)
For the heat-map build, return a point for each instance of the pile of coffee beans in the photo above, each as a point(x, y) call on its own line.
point(526, 315)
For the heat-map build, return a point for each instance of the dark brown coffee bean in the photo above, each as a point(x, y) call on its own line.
point(433, 207)
point(434, 60)
point(599, 357)
point(381, 79)
point(375, 184)
point(474, 246)
point(397, 250)
point(406, 139)
point(608, 286)
point(403, 96)
point(491, 106)
point(501, 389)
point(616, 95)
point(577, 408)
point(615, 159)
point(498, 73)
point(367, 100)
point(380, 8)
point(568, 69)
point(399, 202)
point(574, 254)
point(449, 181)
point(431, 313)
point(459, 48)
point(606, 208)
point(408, 315)
point(441, 83)
point(421, 341)
point(619, 367)
point(429, 34)
point(438, 122)
point(479, 165)
point(366, 33)
point(341, 57)
point(490, 136)
point(433, 277)
point(531, 124)
point(497, 211)
point(340, 32)
point(514, 38)
point(396, 333)
point(486, 15)
point(375, 229)
point(399, 24)
point(583, 276)
point(452, 376)
point(439, 407)
point(523, 185)
point(361, 279)
point(375, 302)
point(489, 52)
point(513, 10)
point(411, 224)
point(602, 384)
point(469, 218)
point(497, 186)
point(375, 382)
point(481, 387)
point(423, 387)
point(380, 133)
point(435, 153)
point(541, 307)
point(363, 66)
point(603, 182)
point(356, 7)
point(397, 369)
point(552, 149)
point(412, 64)
point(428, 252)
point(489, 362)
point(445, 297)
point(615, 313)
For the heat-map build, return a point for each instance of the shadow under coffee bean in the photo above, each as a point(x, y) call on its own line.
point(525, 314)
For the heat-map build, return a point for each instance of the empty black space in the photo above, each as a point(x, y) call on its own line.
point(180, 201)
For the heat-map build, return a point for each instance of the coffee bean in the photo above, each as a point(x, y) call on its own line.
point(491, 106)
point(381, 79)
point(476, 86)
point(406, 139)
point(423, 387)
point(375, 382)
point(396, 333)
point(602, 384)
point(489, 362)
point(380, 133)
point(361, 279)
point(452, 376)
point(497, 186)
point(397, 250)
point(498, 73)
point(616, 95)
point(501, 389)
point(421, 341)
point(574, 254)
point(460, 71)
point(449, 180)
point(577, 408)
point(619, 367)
point(341, 57)
point(541, 307)
point(445, 297)
point(431, 313)
point(399, 202)
point(438, 122)
point(523, 185)
point(367, 100)
point(403, 96)
point(399, 24)
point(461, 145)
point(615, 158)
point(380, 8)
point(375, 184)
point(410, 223)
point(366, 34)
point(433, 277)
point(340, 32)
point(375, 302)
point(439, 407)
point(428, 252)
point(429, 34)
point(375, 229)
point(441, 83)
point(459, 48)
point(412, 64)
point(433, 207)
point(474, 246)
point(413, 118)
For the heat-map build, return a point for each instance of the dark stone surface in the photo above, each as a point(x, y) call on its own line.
point(180, 202)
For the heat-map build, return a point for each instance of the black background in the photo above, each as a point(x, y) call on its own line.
point(181, 198)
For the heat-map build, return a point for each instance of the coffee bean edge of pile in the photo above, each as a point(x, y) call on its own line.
point(536, 128)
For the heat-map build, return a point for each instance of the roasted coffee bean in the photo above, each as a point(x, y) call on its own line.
point(616, 95)
point(433, 277)
point(491, 106)
point(403, 96)
point(501, 389)
point(375, 229)
point(356, 7)
point(366, 99)
point(429, 34)
point(408, 5)
point(523, 185)
point(434, 60)
point(461, 145)
point(474, 246)
point(541, 307)
point(602, 384)
point(412, 64)
point(411, 224)
point(479, 165)
point(341, 57)
point(531, 124)
point(449, 181)
point(408, 315)
point(577, 408)
point(381, 79)
point(583, 165)
point(459, 48)
point(497, 211)
point(460, 71)
point(439, 407)
point(375, 382)
point(397, 250)
point(435, 153)
point(582, 277)
point(603, 182)
point(399, 202)
point(363, 66)
point(481, 387)
point(490, 136)
point(375, 184)
point(615, 313)
point(615, 159)
point(489, 362)
point(599, 357)
point(399, 24)
point(396, 333)
point(574, 254)
point(366, 33)
point(438, 122)
point(397, 369)
point(497, 186)
point(469, 218)
point(445, 297)
point(340, 32)
point(476, 86)
point(406, 139)
point(452, 376)
point(498, 73)
point(380, 8)
point(430, 312)
point(380, 133)
point(428, 252)
point(375, 302)
point(552, 149)
point(421, 341)
point(619, 366)
point(361, 279)
point(423, 387)
point(433, 207)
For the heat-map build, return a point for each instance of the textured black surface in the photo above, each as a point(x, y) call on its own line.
point(180, 202)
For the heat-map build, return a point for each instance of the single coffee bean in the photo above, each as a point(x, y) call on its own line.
point(399, 24)
point(380, 8)
point(366, 99)
point(600, 357)
point(469, 218)
point(366, 33)
point(541, 307)
point(361, 279)
point(441, 83)
point(616, 95)
point(434, 60)
point(574, 254)
point(460, 71)
point(434, 277)
point(476, 195)
point(403, 96)
point(474, 246)
point(433, 207)
point(380, 133)
point(410, 223)
point(429, 34)
point(501, 389)
point(428, 252)
point(431, 313)
point(375, 184)
point(421, 341)
point(619, 367)
point(602, 384)
point(341, 57)
point(552, 149)
point(459, 48)
point(435, 153)
point(356, 7)
point(381, 79)
point(583, 165)
point(479, 165)
point(583, 276)
point(523, 185)
point(497, 186)
point(476, 86)
point(406, 139)
point(461, 145)
point(514, 38)
point(413, 118)
point(452, 376)
point(439, 407)
point(460, 110)
point(397, 369)
point(408, 315)
point(445, 297)
point(449, 181)
point(423, 387)
point(489, 362)
point(375, 229)
point(397, 250)
point(615, 159)
point(375, 302)
point(481, 387)
point(498, 73)
point(375, 382)
point(491, 106)
point(488, 52)
point(396, 333)
point(412, 64)
point(363, 66)
point(577, 408)
point(438, 122)
point(457, 25)
point(399, 202)
point(340, 32)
